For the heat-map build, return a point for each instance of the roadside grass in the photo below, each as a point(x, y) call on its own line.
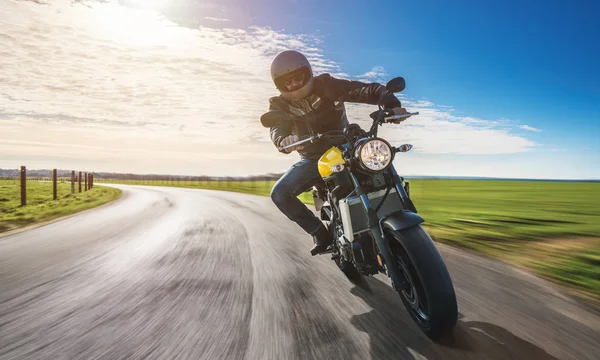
point(550, 228)
point(40, 205)
point(575, 262)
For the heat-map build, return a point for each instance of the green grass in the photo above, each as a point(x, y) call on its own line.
point(580, 269)
point(475, 212)
point(40, 205)
point(551, 228)
point(499, 210)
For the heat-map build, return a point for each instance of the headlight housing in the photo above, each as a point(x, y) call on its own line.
point(374, 154)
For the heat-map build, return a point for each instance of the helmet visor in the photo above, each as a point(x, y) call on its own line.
point(294, 80)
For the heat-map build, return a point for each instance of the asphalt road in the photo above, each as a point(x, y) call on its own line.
point(169, 273)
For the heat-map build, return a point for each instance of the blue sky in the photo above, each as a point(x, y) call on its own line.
point(505, 89)
point(535, 61)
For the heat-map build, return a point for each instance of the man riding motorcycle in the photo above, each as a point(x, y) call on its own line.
point(312, 104)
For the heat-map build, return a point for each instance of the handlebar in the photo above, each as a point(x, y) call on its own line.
point(318, 136)
point(309, 139)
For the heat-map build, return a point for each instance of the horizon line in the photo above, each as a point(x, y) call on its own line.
point(457, 177)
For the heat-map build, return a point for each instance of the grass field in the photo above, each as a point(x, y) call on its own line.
point(40, 205)
point(551, 228)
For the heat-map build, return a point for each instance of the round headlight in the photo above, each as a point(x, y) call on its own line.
point(375, 154)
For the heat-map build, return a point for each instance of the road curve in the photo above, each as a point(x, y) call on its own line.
point(171, 273)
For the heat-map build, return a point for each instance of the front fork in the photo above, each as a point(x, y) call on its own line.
point(402, 191)
point(377, 230)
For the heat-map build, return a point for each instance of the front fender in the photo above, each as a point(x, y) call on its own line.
point(401, 220)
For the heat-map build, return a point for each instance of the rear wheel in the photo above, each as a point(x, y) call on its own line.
point(426, 289)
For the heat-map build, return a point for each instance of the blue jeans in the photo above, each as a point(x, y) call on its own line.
point(299, 178)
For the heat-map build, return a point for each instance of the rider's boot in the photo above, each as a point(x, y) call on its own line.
point(322, 239)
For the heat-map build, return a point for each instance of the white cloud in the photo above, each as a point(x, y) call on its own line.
point(437, 131)
point(125, 89)
point(112, 68)
point(216, 19)
point(377, 74)
point(529, 128)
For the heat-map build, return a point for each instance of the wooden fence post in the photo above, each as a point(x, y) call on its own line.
point(79, 179)
point(23, 186)
point(91, 180)
point(72, 181)
point(54, 184)
point(85, 180)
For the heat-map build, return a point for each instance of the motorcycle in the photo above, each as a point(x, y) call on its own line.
point(366, 206)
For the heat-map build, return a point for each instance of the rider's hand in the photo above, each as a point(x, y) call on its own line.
point(290, 140)
point(400, 111)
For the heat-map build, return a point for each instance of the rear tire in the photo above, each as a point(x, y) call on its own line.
point(428, 294)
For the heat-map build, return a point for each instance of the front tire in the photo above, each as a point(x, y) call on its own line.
point(427, 292)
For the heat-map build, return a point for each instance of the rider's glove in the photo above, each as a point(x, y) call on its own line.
point(290, 140)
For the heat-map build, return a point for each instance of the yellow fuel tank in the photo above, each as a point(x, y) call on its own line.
point(328, 160)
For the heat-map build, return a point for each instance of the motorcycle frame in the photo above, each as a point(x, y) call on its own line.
point(375, 223)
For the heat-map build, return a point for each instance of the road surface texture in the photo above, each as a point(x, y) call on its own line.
point(171, 273)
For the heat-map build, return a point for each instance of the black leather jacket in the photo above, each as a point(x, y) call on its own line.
point(324, 110)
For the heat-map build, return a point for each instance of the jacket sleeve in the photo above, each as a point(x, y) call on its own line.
point(281, 130)
point(359, 92)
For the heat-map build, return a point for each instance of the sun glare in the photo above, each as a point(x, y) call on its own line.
point(148, 4)
point(135, 26)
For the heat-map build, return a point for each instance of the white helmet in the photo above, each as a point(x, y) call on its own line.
point(290, 64)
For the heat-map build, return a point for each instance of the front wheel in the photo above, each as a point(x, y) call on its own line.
point(426, 290)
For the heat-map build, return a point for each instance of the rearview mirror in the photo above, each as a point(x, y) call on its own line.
point(273, 117)
point(396, 84)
